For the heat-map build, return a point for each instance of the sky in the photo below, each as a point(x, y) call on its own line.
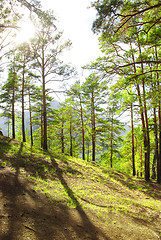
point(75, 19)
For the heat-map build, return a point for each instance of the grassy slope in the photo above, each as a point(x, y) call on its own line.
point(87, 201)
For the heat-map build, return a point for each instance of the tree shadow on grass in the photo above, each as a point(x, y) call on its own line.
point(35, 164)
point(150, 189)
point(93, 231)
point(28, 214)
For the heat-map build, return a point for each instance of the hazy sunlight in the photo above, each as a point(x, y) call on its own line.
point(25, 33)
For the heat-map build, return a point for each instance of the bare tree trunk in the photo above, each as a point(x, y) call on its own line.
point(111, 142)
point(71, 139)
point(13, 112)
point(132, 136)
point(23, 108)
point(159, 117)
point(93, 128)
point(144, 127)
point(111, 155)
point(159, 152)
point(45, 147)
point(141, 163)
point(8, 127)
point(88, 151)
point(62, 137)
point(42, 131)
point(83, 138)
point(156, 146)
point(31, 132)
point(44, 119)
point(147, 149)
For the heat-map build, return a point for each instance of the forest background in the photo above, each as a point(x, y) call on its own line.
point(124, 80)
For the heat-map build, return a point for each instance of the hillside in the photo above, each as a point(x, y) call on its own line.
point(56, 197)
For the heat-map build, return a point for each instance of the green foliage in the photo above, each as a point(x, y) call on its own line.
point(125, 78)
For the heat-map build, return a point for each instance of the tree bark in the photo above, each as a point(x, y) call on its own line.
point(147, 140)
point(45, 147)
point(156, 146)
point(141, 162)
point(88, 151)
point(13, 112)
point(62, 137)
point(111, 142)
point(71, 139)
point(132, 136)
point(93, 128)
point(83, 137)
point(30, 111)
point(159, 152)
point(42, 131)
point(144, 129)
point(23, 108)
point(159, 117)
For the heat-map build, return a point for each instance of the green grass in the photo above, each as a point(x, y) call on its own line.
point(75, 182)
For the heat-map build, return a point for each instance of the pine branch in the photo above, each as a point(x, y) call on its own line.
point(141, 11)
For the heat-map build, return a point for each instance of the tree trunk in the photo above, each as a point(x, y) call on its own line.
point(141, 162)
point(144, 127)
point(42, 131)
point(144, 134)
point(71, 139)
point(147, 149)
point(155, 158)
point(62, 137)
point(132, 136)
point(31, 132)
point(44, 104)
point(13, 112)
point(93, 128)
point(159, 152)
point(156, 147)
point(111, 142)
point(23, 108)
point(111, 155)
point(159, 117)
point(44, 120)
point(88, 151)
point(8, 127)
point(83, 138)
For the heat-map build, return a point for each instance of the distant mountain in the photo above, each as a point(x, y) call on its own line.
point(3, 121)
point(4, 126)
point(55, 104)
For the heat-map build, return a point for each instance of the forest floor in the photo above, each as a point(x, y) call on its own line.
point(46, 196)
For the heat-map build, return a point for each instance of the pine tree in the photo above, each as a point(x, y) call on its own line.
point(94, 93)
point(47, 49)
point(77, 95)
point(9, 94)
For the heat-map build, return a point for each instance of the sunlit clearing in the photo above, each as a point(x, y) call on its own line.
point(25, 32)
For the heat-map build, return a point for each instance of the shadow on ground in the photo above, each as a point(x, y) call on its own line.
point(150, 189)
point(28, 214)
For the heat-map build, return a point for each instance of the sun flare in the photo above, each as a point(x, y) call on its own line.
point(25, 33)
